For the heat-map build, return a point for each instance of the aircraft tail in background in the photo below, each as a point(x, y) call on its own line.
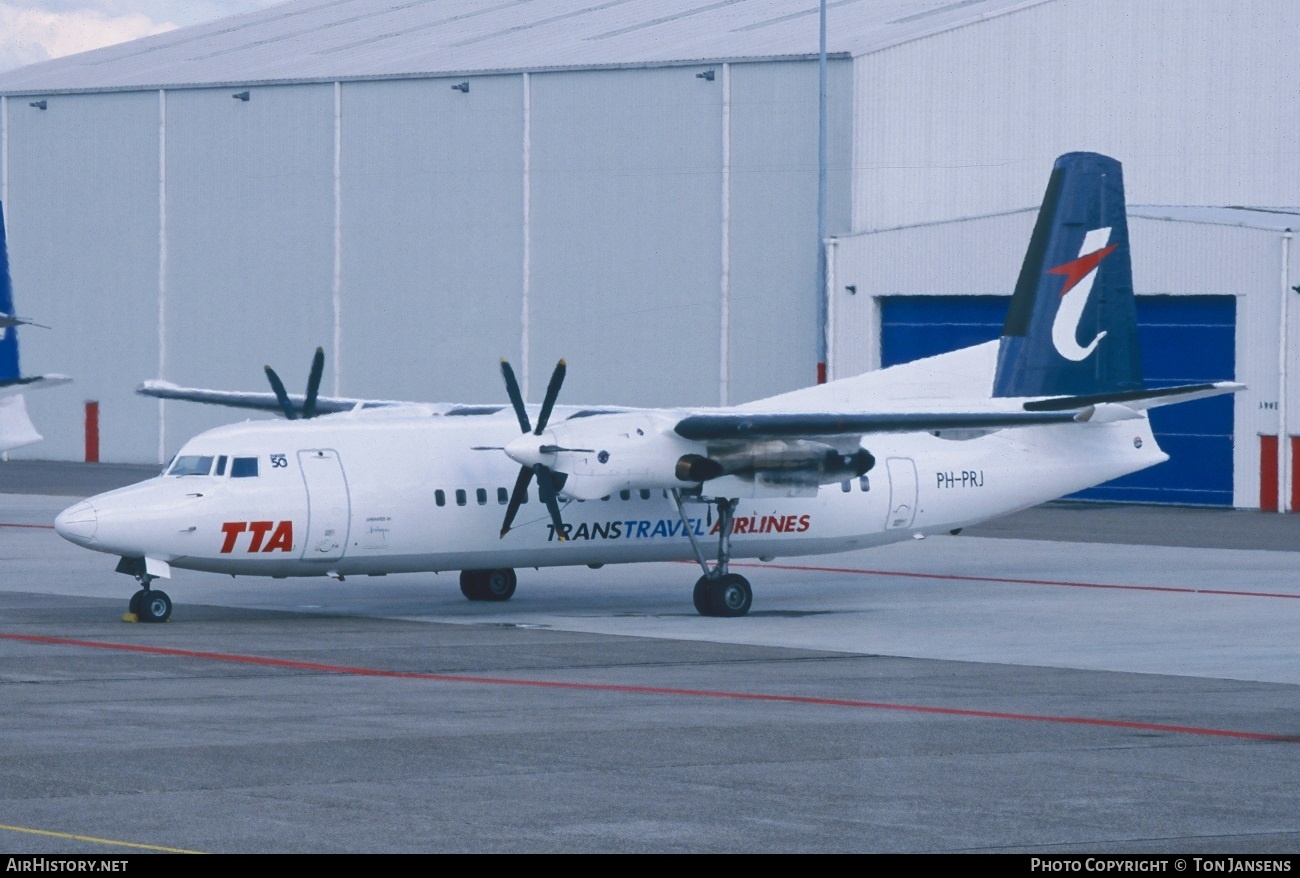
point(16, 427)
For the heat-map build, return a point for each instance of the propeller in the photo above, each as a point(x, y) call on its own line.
point(313, 387)
point(547, 479)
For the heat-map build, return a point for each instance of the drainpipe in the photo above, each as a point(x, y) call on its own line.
point(1283, 440)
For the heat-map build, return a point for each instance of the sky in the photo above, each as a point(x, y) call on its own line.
point(44, 29)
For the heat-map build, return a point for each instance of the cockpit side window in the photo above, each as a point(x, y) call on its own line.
point(243, 468)
point(191, 465)
point(221, 466)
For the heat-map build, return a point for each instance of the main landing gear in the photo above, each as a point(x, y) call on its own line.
point(718, 592)
point(147, 604)
point(487, 585)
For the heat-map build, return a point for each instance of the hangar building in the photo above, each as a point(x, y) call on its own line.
point(423, 187)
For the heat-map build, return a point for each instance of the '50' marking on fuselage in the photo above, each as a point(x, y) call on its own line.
point(281, 540)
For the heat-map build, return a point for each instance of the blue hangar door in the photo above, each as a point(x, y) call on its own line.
point(1185, 340)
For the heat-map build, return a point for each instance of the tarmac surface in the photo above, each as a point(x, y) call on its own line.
point(1071, 679)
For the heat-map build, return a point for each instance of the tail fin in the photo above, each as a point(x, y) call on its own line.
point(1072, 325)
point(8, 322)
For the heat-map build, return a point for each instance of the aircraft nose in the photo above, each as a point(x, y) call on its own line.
point(78, 523)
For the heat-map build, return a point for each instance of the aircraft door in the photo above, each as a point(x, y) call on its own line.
point(327, 505)
point(902, 492)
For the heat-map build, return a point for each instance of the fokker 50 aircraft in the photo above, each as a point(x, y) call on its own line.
point(1055, 406)
point(16, 427)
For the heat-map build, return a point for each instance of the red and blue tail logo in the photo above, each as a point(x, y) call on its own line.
point(1072, 326)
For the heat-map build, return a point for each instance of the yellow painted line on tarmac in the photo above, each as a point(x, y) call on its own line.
point(123, 844)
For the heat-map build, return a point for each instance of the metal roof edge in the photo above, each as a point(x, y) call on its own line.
point(431, 74)
point(952, 26)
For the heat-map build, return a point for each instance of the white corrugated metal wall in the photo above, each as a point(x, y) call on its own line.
point(1199, 100)
point(419, 231)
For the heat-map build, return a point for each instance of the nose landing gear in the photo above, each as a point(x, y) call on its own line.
point(147, 604)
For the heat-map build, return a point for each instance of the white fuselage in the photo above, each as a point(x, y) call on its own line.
point(357, 494)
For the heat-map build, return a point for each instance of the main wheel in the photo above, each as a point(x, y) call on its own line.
point(732, 595)
point(702, 596)
point(499, 585)
point(155, 606)
point(134, 606)
point(473, 585)
point(728, 595)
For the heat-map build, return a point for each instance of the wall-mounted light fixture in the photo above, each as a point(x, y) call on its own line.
point(40, 105)
point(462, 87)
point(707, 76)
point(240, 96)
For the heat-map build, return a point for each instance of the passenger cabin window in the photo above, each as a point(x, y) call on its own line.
point(460, 497)
point(191, 465)
point(625, 495)
point(846, 485)
point(864, 483)
point(221, 465)
point(243, 468)
point(481, 496)
point(503, 496)
point(440, 497)
point(645, 493)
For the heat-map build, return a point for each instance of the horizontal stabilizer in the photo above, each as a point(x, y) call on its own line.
point(1136, 399)
point(33, 382)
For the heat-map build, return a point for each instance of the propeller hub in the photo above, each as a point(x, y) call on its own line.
point(528, 450)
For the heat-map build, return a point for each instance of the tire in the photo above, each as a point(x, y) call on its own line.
point(702, 605)
point(155, 606)
point(499, 585)
point(134, 607)
point(731, 596)
point(473, 585)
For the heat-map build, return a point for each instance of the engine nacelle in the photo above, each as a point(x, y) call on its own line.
point(604, 454)
point(798, 462)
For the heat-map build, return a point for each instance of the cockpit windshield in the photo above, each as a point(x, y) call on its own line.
point(191, 465)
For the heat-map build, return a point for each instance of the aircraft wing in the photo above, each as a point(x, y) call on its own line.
point(266, 402)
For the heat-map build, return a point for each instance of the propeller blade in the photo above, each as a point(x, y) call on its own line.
point(281, 394)
point(552, 391)
point(313, 383)
point(516, 498)
point(546, 487)
point(516, 398)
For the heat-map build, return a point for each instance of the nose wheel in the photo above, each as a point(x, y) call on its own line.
point(151, 605)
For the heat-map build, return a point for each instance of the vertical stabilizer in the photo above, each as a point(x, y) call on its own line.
point(1072, 325)
point(8, 328)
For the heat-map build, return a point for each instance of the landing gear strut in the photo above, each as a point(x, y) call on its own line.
point(147, 604)
point(718, 592)
point(488, 585)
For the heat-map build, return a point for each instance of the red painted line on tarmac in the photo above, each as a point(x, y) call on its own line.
point(646, 690)
point(1062, 584)
point(37, 526)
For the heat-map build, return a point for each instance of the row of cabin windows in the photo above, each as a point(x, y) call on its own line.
point(503, 496)
point(202, 465)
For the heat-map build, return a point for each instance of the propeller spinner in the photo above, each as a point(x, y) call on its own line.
point(308, 409)
point(547, 478)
